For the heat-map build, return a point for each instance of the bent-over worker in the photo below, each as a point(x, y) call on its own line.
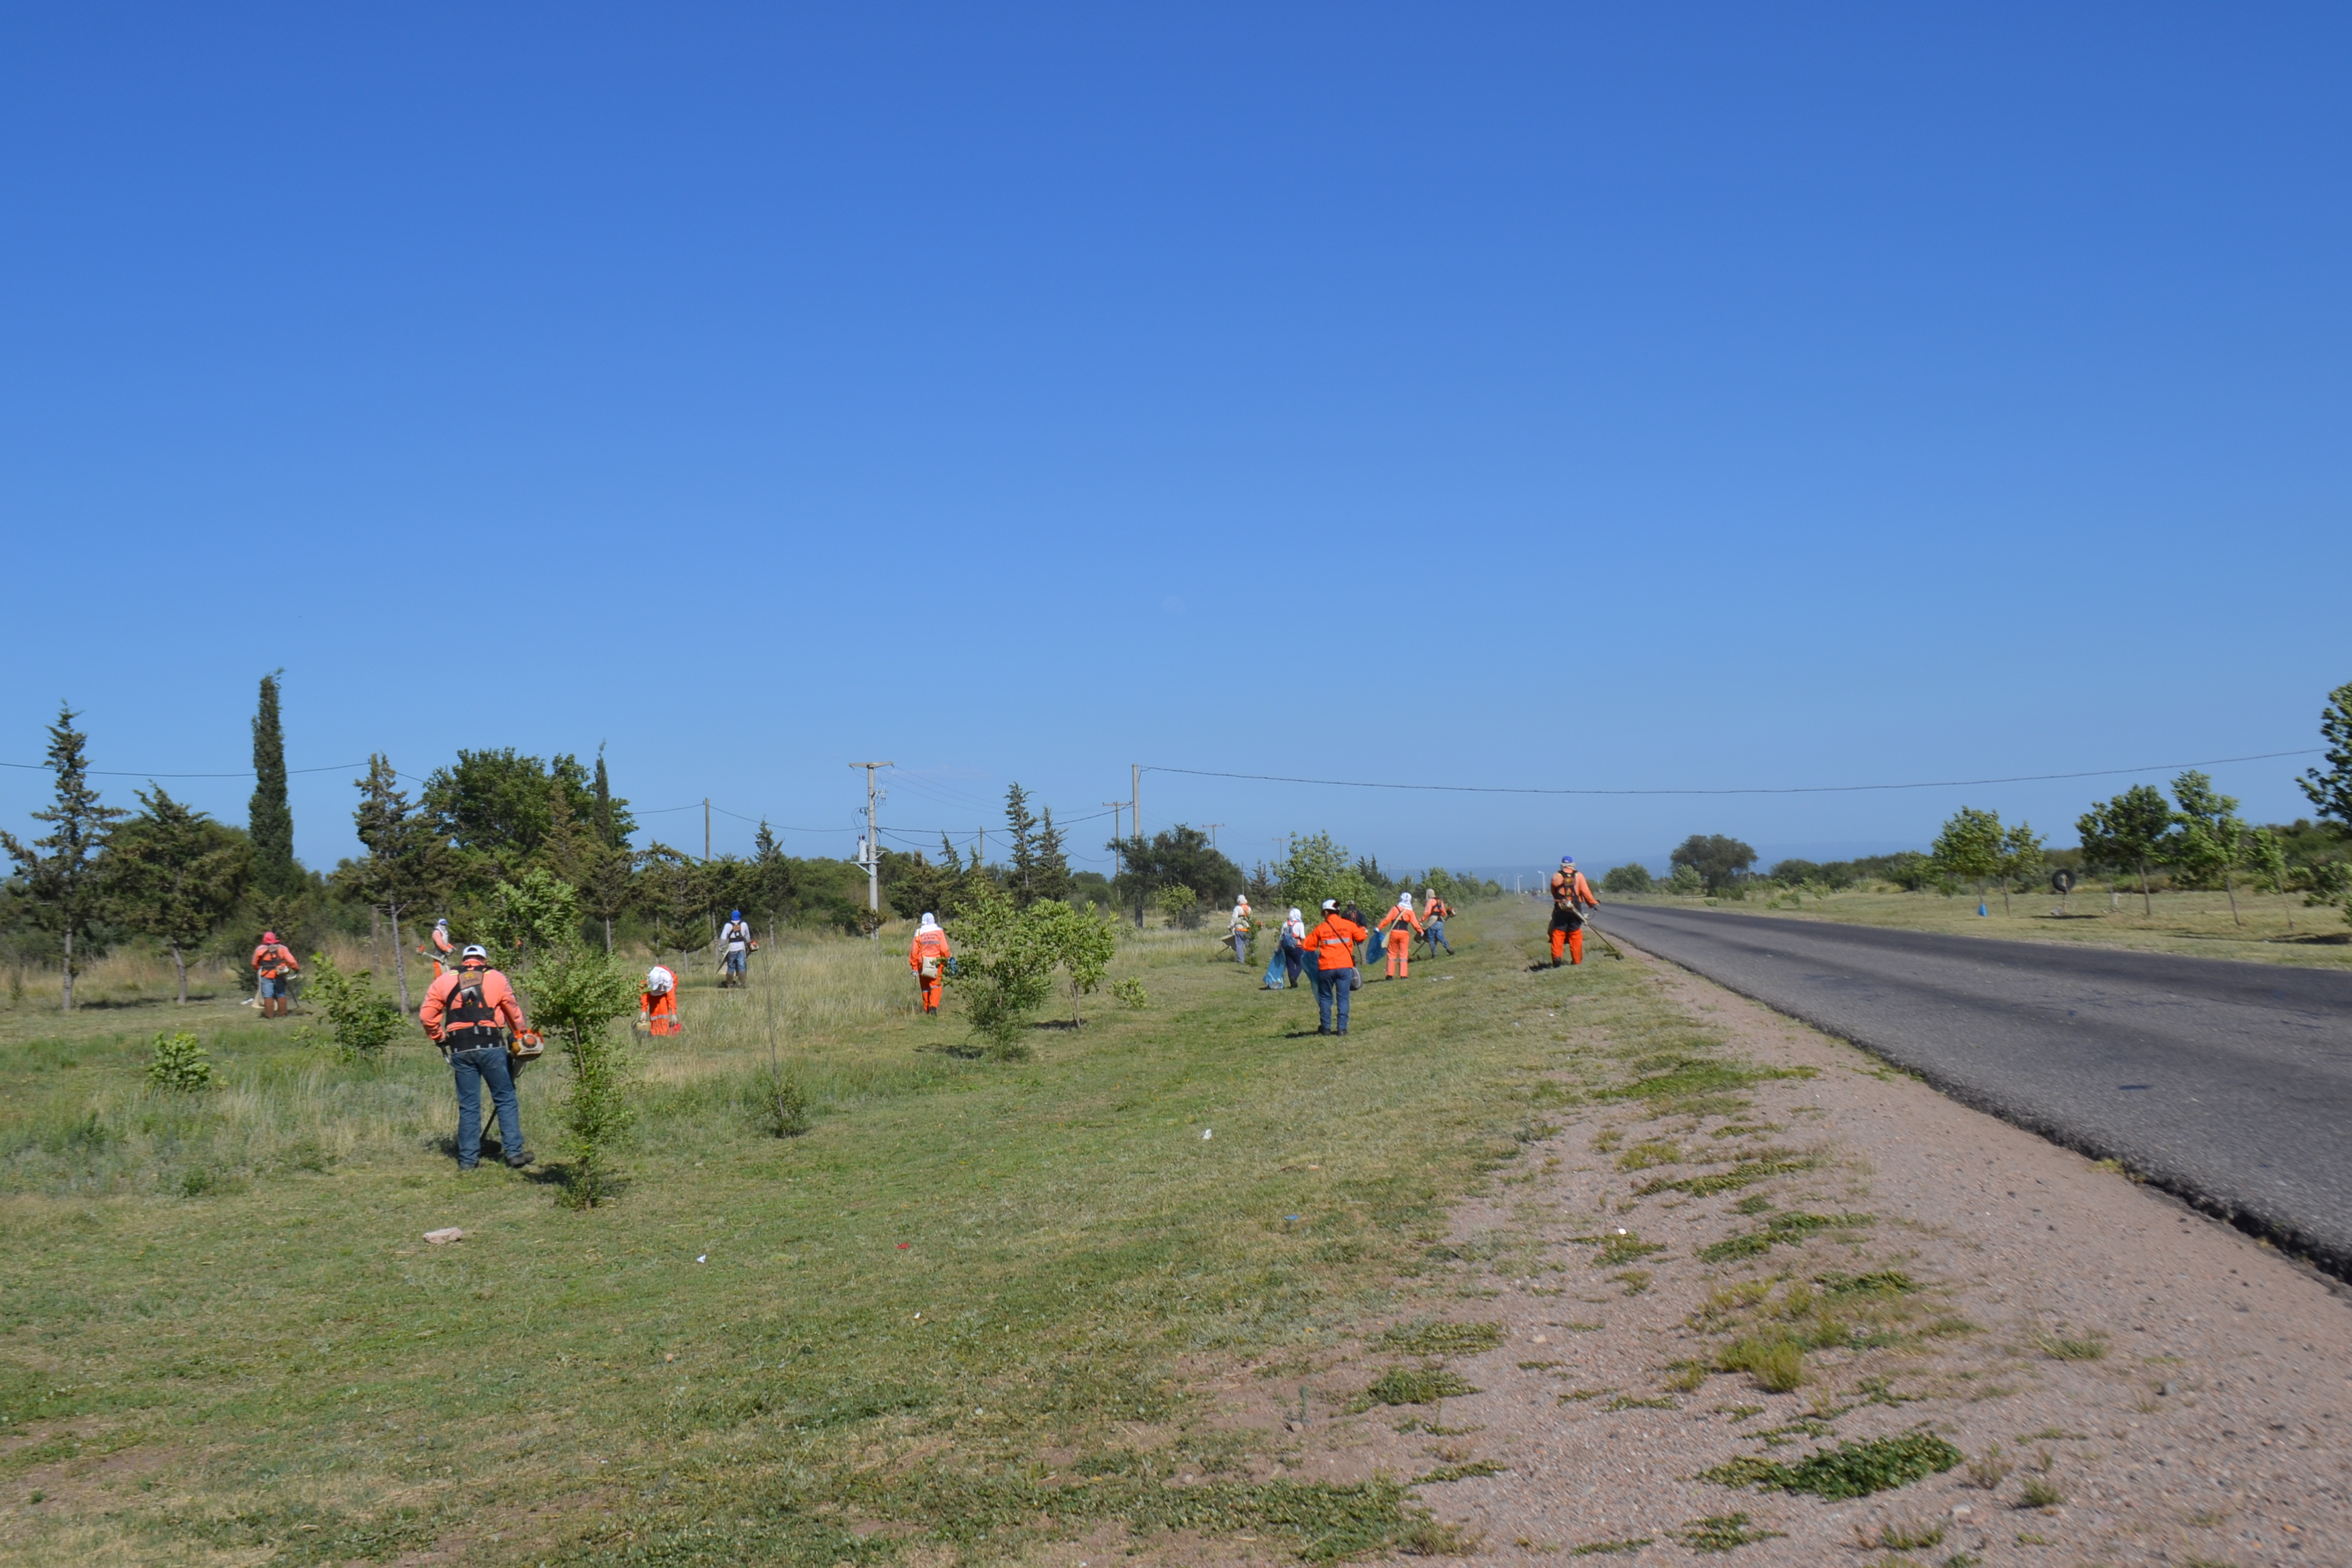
point(657, 1003)
point(467, 1012)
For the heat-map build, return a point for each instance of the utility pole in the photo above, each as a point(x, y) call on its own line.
point(1212, 834)
point(1135, 804)
point(705, 827)
point(979, 853)
point(1116, 859)
point(873, 843)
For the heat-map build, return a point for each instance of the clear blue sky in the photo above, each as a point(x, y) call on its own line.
point(1613, 397)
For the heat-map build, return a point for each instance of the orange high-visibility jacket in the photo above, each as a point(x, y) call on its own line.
point(496, 996)
point(929, 943)
point(1567, 885)
point(274, 959)
point(1398, 915)
point(1334, 941)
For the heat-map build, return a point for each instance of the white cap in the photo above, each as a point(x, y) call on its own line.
point(1330, 903)
point(475, 950)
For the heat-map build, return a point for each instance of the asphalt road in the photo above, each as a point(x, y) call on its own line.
point(2228, 1083)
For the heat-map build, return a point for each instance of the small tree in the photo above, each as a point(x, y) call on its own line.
point(2211, 840)
point(575, 994)
point(1179, 906)
point(1006, 968)
point(57, 876)
point(2128, 831)
point(2266, 860)
point(2021, 860)
point(176, 874)
point(178, 1063)
point(1969, 847)
point(1081, 942)
point(362, 1022)
point(1718, 860)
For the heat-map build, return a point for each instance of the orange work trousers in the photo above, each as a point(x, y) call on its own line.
point(1572, 940)
point(661, 1013)
point(931, 988)
point(1400, 952)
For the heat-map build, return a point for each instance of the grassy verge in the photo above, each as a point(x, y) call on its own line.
point(2198, 923)
point(959, 1310)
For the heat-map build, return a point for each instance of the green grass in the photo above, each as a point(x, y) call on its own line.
point(968, 1306)
point(1848, 1470)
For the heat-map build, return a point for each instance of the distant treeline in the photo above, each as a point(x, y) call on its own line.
point(496, 831)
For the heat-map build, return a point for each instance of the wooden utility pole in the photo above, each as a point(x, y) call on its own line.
point(705, 827)
point(1212, 832)
point(873, 843)
point(1116, 859)
point(1135, 804)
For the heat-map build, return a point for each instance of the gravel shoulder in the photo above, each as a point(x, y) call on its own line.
point(2120, 1380)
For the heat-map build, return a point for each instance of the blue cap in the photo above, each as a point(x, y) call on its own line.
point(736, 915)
point(1567, 860)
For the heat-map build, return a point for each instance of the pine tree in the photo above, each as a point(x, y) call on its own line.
point(1050, 878)
point(270, 820)
point(408, 864)
point(175, 874)
point(1018, 817)
point(61, 888)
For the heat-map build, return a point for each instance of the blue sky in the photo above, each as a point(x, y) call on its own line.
point(1694, 396)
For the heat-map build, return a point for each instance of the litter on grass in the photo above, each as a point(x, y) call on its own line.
point(447, 1233)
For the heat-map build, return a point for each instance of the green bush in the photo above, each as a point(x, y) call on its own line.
point(1777, 1364)
point(575, 995)
point(1848, 1470)
point(180, 1064)
point(1129, 992)
point(786, 1105)
point(361, 1021)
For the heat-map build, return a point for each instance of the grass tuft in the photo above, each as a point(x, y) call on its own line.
point(1848, 1470)
point(1425, 1337)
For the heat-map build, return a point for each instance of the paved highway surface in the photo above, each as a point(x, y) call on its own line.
point(2228, 1083)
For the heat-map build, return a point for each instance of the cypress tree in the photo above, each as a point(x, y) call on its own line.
point(61, 889)
point(606, 827)
point(270, 820)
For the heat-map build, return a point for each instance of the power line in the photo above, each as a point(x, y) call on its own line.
point(136, 773)
point(1795, 789)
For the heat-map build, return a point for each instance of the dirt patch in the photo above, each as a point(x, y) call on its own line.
point(1839, 1318)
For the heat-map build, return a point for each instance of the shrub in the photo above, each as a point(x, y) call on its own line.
point(785, 1106)
point(2039, 1492)
point(1129, 992)
point(1633, 879)
point(1180, 906)
point(361, 1021)
point(180, 1064)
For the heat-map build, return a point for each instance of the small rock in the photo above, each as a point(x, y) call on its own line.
point(2167, 1388)
point(448, 1234)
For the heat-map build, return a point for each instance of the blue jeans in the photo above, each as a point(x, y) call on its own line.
point(1437, 937)
point(473, 1068)
point(1334, 987)
point(735, 960)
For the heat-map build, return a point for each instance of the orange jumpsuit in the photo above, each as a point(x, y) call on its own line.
point(1569, 893)
point(930, 943)
point(1399, 946)
point(658, 1010)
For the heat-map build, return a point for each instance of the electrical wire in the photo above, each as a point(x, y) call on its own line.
point(136, 773)
point(1795, 789)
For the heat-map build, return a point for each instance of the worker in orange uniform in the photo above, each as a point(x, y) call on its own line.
point(1333, 943)
point(467, 1012)
point(657, 1003)
point(1433, 912)
point(274, 968)
point(1400, 945)
point(928, 956)
point(442, 951)
point(1572, 895)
